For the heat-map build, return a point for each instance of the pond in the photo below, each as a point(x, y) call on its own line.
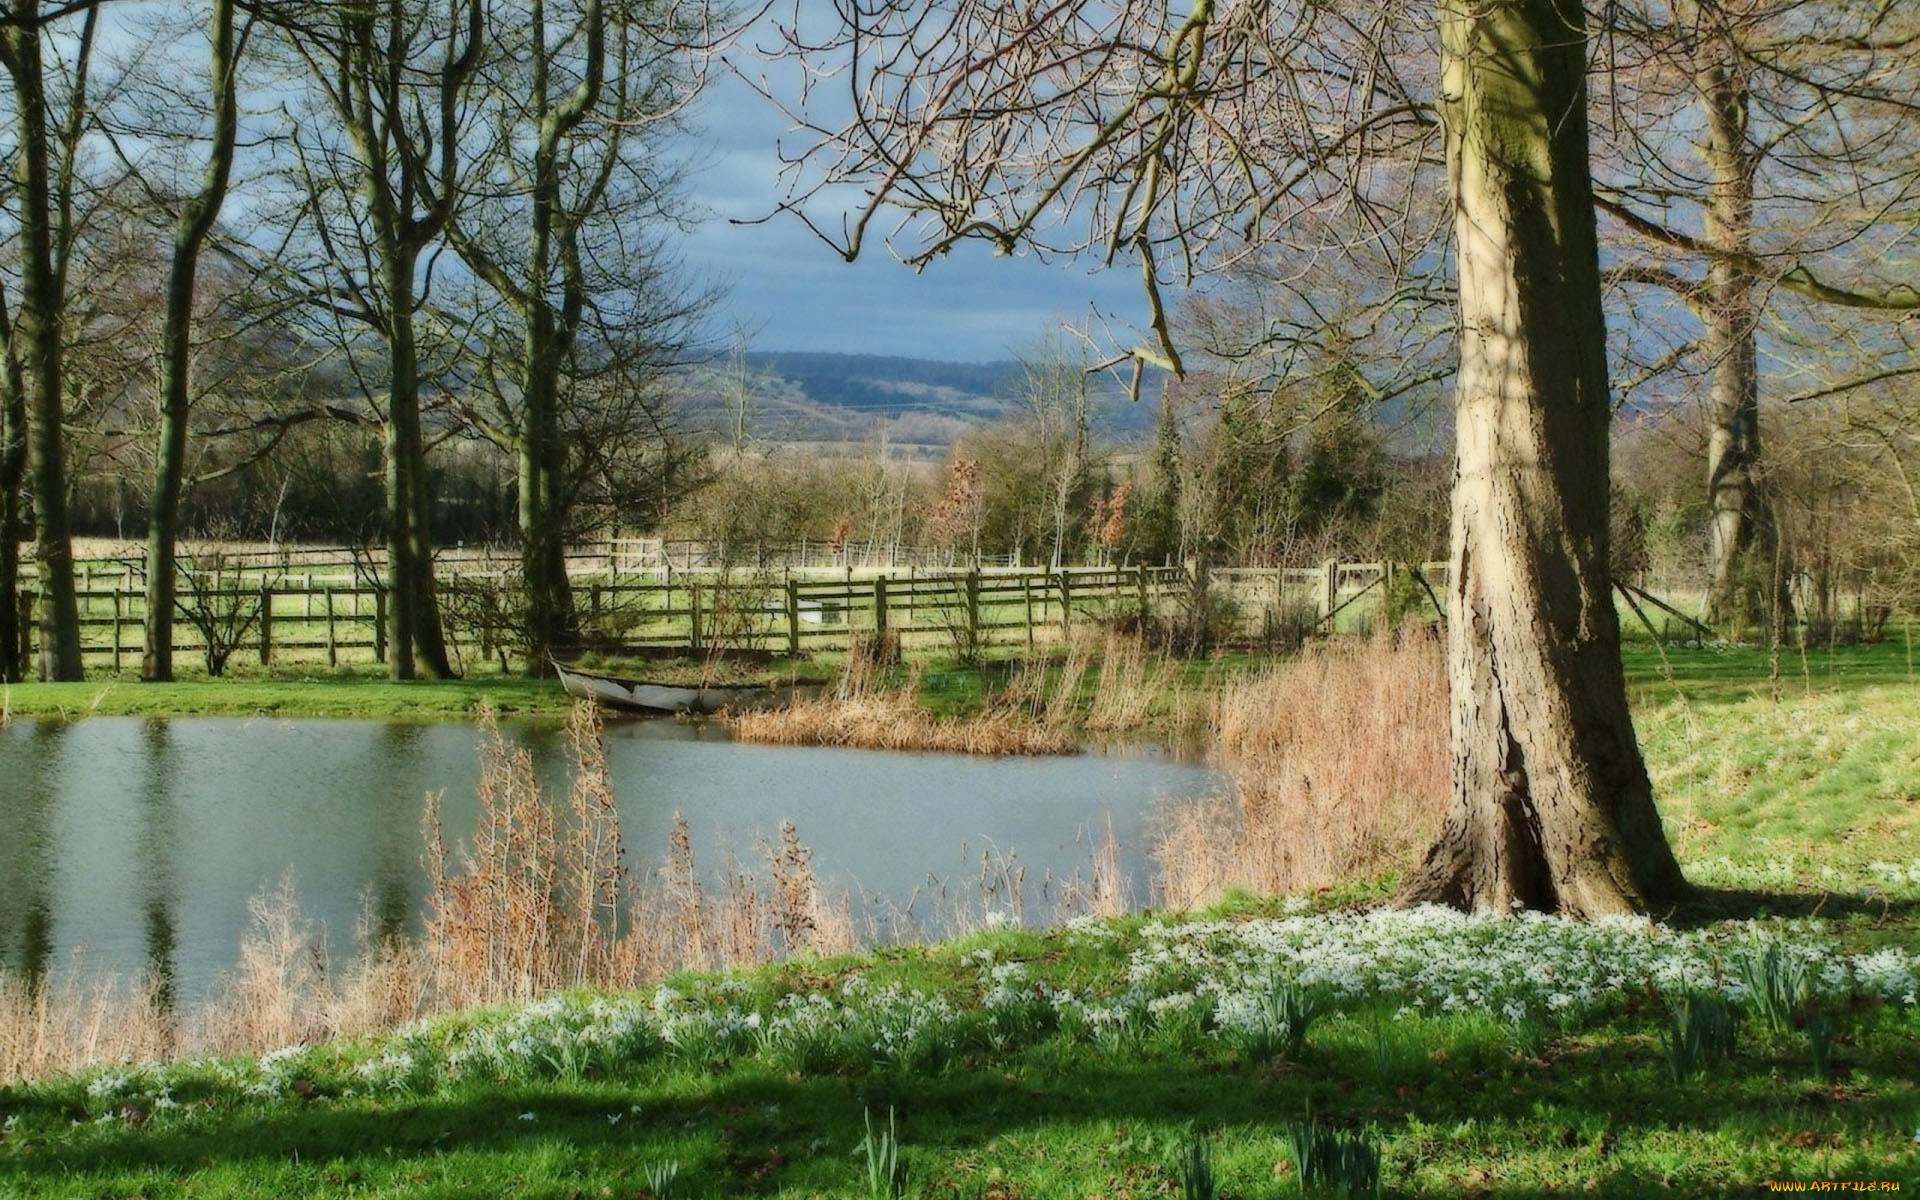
point(139, 843)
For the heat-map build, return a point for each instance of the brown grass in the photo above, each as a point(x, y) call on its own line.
point(1137, 689)
point(865, 713)
point(55, 1024)
point(1340, 769)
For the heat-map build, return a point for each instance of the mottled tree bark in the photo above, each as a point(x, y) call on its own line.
point(406, 145)
point(548, 295)
point(1551, 805)
point(550, 330)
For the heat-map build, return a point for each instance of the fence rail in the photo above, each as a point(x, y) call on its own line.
point(613, 557)
point(298, 605)
point(310, 616)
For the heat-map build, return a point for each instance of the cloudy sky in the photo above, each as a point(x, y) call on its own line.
point(791, 291)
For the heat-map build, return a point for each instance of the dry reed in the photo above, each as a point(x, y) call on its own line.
point(280, 993)
point(48, 1025)
point(863, 712)
point(1340, 769)
point(1132, 693)
point(536, 902)
point(1103, 891)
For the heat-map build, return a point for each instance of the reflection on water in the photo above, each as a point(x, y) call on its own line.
point(143, 840)
point(157, 852)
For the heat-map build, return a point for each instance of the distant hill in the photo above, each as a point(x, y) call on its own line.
point(803, 396)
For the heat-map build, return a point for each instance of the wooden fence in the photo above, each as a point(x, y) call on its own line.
point(315, 612)
point(614, 556)
point(309, 616)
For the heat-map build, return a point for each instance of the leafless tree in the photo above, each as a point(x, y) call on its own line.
point(563, 216)
point(1757, 157)
point(375, 130)
point(50, 121)
point(194, 219)
point(1187, 139)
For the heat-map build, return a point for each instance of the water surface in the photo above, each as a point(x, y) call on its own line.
point(144, 840)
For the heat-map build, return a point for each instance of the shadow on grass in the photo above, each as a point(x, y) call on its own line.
point(1708, 906)
point(1481, 1119)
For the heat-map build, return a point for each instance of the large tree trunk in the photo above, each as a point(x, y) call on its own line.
point(1742, 543)
point(38, 342)
point(13, 476)
point(401, 579)
point(1551, 806)
point(176, 350)
point(429, 635)
point(417, 643)
point(552, 623)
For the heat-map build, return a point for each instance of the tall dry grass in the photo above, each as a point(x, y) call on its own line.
point(53, 1024)
point(1340, 769)
point(1046, 707)
point(537, 900)
point(865, 712)
point(534, 901)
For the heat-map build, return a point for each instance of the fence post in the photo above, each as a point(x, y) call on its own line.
point(379, 622)
point(1026, 594)
point(973, 608)
point(266, 623)
point(1146, 606)
point(333, 649)
point(1329, 588)
point(119, 587)
point(793, 617)
point(1066, 600)
point(879, 607)
point(693, 616)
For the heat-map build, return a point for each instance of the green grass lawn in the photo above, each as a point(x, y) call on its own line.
point(1478, 1059)
point(357, 693)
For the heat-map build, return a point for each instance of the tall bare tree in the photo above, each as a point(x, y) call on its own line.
point(48, 130)
point(194, 221)
point(561, 218)
point(392, 75)
point(1117, 127)
point(1759, 157)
